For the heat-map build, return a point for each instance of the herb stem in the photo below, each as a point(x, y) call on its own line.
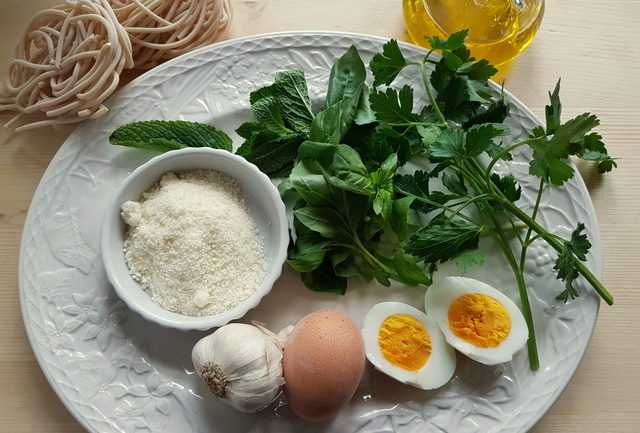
point(534, 214)
point(432, 99)
point(502, 153)
point(536, 237)
point(440, 206)
point(371, 259)
point(532, 349)
point(467, 203)
point(557, 245)
point(477, 181)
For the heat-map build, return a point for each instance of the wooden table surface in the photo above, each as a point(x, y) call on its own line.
point(591, 44)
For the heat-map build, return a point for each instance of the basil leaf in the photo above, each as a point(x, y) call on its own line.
point(347, 77)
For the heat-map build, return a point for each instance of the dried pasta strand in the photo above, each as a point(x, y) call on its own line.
point(68, 62)
point(160, 29)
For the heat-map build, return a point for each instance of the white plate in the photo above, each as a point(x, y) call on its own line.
point(116, 372)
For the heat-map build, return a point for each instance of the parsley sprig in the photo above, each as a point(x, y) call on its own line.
point(468, 124)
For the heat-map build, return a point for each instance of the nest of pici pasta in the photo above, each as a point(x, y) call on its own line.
point(69, 59)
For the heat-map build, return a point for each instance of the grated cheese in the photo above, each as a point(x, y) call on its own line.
point(192, 245)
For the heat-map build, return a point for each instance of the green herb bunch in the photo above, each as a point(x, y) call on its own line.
point(356, 215)
point(359, 212)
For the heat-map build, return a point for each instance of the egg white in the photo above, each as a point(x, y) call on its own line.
point(441, 364)
point(444, 291)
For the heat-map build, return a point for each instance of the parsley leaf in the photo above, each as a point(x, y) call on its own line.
point(480, 70)
point(553, 110)
point(508, 185)
point(494, 112)
point(449, 144)
point(387, 65)
point(393, 107)
point(548, 161)
point(565, 265)
point(442, 241)
point(457, 143)
point(605, 162)
point(468, 258)
point(452, 43)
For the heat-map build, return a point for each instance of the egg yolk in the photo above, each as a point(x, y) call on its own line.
point(404, 342)
point(479, 319)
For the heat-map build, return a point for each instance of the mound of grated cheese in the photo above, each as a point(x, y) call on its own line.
point(192, 244)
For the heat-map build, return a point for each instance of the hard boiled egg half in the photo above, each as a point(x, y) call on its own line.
point(477, 319)
point(402, 342)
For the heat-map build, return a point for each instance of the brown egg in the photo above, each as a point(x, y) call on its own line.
point(322, 365)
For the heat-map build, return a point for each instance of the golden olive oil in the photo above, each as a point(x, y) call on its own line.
point(499, 30)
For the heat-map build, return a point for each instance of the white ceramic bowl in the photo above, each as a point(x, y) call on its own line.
point(263, 202)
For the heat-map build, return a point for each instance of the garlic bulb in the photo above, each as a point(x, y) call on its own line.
point(242, 364)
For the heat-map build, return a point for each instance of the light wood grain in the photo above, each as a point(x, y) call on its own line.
point(592, 45)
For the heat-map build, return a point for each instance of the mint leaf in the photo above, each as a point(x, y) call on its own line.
point(290, 89)
point(269, 114)
point(269, 151)
point(262, 92)
point(393, 107)
point(165, 135)
point(387, 65)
